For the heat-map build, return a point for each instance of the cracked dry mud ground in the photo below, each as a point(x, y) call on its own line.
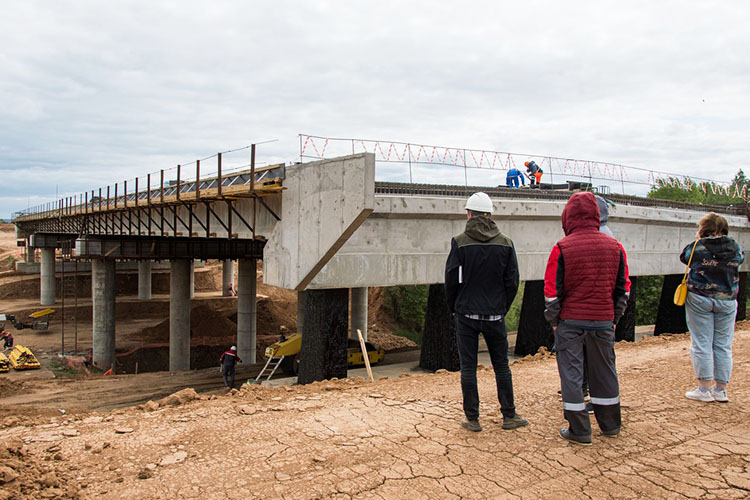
point(398, 438)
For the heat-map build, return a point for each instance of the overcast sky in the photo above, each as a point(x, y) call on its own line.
point(92, 92)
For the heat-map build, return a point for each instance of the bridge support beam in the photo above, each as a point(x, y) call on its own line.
point(359, 312)
point(742, 298)
point(300, 310)
point(227, 277)
point(533, 330)
point(324, 344)
point(670, 318)
point(29, 251)
point(192, 278)
point(179, 315)
point(625, 329)
point(439, 348)
point(47, 276)
point(246, 309)
point(103, 306)
point(144, 280)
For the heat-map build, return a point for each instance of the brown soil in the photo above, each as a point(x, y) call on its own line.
point(394, 439)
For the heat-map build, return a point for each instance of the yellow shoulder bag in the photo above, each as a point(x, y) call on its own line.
point(681, 293)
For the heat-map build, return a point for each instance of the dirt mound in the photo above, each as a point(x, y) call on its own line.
point(179, 398)
point(9, 387)
point(389, 342)
point(24, 478)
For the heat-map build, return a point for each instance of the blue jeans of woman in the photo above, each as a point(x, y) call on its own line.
point(711, 325)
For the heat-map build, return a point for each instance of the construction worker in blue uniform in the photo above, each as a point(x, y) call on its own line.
point(511, 180)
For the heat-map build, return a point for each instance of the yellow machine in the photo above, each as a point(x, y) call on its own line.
point(285, 354)
point(4, 363)
point(38, 320)
point(21, 358)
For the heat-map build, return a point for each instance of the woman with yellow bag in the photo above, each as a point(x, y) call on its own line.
point(711, 305)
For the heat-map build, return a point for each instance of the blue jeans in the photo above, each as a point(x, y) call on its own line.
point(711, 324)
point(467, 338)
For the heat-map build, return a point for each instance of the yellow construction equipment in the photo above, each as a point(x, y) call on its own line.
point(21, 358)
point(38, 320)
point(284, 354)
point(4, 363)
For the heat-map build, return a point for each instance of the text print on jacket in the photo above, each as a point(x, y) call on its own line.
point(586, 276)
point(481, 274)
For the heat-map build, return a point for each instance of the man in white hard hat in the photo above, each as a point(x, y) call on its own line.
point(481, 281)
point(228, 359)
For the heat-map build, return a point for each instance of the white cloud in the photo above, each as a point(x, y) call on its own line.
point(96, 93)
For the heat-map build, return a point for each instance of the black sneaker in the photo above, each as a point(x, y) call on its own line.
point(611, 434)
point(590, 407)
point(471, 425)
point(514, 422)
point(582, 440)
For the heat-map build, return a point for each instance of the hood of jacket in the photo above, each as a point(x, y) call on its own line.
point(603, 210)
point(722, 247)
point(581, 212)
point(481, 228)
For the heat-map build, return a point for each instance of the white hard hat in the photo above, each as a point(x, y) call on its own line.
point(479, 202)
point(233, 348)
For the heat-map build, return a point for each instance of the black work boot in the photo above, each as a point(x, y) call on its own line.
point(582, 440)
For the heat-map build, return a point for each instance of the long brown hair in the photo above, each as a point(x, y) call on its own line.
point(713, 224)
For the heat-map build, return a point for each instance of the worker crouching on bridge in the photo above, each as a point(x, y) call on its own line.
point(585, 292)
point(534, 172)
point(481, 281)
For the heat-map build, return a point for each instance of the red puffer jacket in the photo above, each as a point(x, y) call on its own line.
point(586, 272)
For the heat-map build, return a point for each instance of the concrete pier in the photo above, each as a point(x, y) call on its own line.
point(144, 280)
point(47, 273)
point(192, 279)
point(359, 312)
point(300, 310)
point(227, 277)
point(246, 309)
point(29, 251)
point(179, 315)
point(103, 305)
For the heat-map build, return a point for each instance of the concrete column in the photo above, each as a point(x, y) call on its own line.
point(192, 279)
point(47, 274)
point(227, 277)
point(103, 305)
point(300, 310)
point(144, 280)
point(179, 315)
point(359, 312)
point(29, 251)
point(246, 309)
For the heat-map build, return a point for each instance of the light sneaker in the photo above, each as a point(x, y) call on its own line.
point(720, 395)
point(471, 425)
point(698, 395)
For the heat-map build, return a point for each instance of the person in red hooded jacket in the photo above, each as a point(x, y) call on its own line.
point(586, 291)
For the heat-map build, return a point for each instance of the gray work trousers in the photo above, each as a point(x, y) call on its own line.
point(597, 342)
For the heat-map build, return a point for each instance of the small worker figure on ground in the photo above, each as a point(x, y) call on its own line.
point(228, 359)
point(512, 178)
point(283, 330)
point(481, 280)
point(7, 337)
point(232, 291)
point(534, 173)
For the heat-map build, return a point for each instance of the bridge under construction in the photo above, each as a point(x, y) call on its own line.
point(329, 231)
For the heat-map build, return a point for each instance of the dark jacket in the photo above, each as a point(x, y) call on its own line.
point(533, 168)
point(714, 271)
point(481, 274)
point(229, 358)
point(586, 276)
